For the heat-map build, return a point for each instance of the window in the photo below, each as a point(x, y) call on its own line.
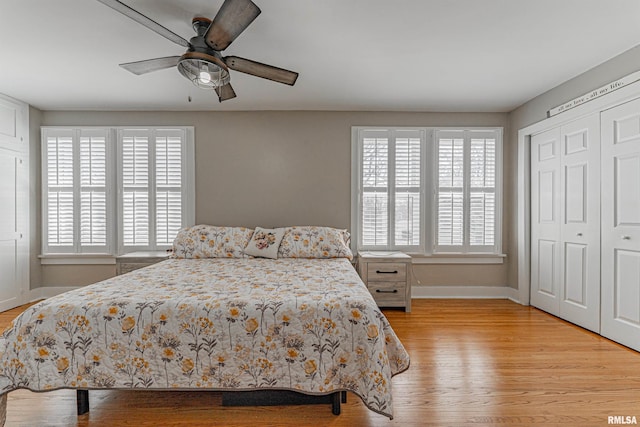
point(391, 188)
point(466, 191)
point(427, 190)
point(75, 178)
point(115, 190)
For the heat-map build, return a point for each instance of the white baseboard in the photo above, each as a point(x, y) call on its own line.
point(465, 292)
point(48, 292)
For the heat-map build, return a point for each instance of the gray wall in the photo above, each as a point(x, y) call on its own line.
point(536, 109)
point(282, 168)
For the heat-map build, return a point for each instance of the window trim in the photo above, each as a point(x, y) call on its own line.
point(428, 201)
point(114, 240)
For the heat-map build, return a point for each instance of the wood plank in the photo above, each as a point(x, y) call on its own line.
point(473, 362)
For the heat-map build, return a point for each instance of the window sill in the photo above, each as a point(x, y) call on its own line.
point(477, 258)
point(76, 259)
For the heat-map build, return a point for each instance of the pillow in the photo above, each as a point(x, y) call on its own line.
point(265, 242)
point(315, 242)
point(208, 241)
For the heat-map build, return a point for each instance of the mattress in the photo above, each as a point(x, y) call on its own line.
point(307, 325)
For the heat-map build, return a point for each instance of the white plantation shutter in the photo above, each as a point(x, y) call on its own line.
point(115, 190)
point(168, 185)
point(466, 196)
point(391, 188)
point(58, 187)
point(75, 200)
point(375, 190)
point(482, 191)
point(135, 189)
point(450, 200)
point(408, 185)
point(427, 190)
point(93, 189)
point(153, 187)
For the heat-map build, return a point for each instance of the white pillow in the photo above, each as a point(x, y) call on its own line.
point(265, 242)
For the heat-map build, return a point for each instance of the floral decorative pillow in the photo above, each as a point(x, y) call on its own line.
point(315, 242)
point(265, 242)
point(209, 241)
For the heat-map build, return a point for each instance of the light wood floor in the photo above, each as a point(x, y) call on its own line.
point(473, 363)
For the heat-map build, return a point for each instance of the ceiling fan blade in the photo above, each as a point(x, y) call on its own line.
point(225, 92)
point(147, 22)
point(149, 65)
point(232, 19)
point(259, 69)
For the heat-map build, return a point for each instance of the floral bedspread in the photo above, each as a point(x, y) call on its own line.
point(308, 325)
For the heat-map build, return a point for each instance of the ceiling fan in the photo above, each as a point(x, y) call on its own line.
point(202, 63)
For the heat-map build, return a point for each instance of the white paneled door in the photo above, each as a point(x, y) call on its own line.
point(565, 222)
point(545, 220)
point(14, 203)
point(9, 234)
point(580, 222)
point(621, 224)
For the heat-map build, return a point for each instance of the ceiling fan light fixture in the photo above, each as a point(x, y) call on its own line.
point(204, 71)
point(203, 64)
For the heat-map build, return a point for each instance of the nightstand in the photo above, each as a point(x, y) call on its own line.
point(386, 274)
point(135, 260)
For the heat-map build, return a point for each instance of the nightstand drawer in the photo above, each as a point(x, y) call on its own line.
point(388, 294)
point(386, 272)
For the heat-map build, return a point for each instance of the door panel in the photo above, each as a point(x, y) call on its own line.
point(626, 298)
point(621, 224)
point(565, 222)
point(9, 236)
point(547, 184)
point(627, 197)
point(545, 220)
point(580, 229)
point(547, 267)
point(14, 202)
point(575, 283)
point(576, 179)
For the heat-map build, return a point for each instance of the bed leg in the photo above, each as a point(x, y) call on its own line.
point(82, 401)
point(343, 395)
point(335, 403)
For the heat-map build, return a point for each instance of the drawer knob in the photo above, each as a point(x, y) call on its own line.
point(382, 291)
point(386, 272)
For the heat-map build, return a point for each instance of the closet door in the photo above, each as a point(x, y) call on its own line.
point(14, 203)
point(580, 222)
point(621, 224)
point(9, 230)
point(565, 222)
point(545, 221)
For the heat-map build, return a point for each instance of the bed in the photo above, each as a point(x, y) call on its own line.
point(229, 322)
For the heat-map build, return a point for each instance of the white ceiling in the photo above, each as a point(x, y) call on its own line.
point(404, 55)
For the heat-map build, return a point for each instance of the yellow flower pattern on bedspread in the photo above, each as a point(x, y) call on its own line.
point(308, 325)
